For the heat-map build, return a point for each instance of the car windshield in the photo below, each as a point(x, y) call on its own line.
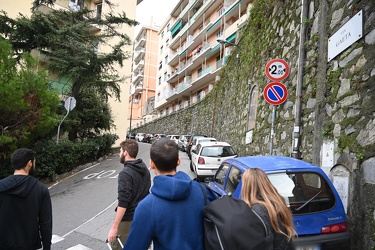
point(217, 151)
point(304, 192)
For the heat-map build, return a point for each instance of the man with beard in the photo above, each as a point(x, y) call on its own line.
point(25, 206)
point(134, 182)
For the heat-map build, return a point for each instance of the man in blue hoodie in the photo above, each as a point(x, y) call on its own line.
point(25, 206)
point(171, 215)
point(134, 182)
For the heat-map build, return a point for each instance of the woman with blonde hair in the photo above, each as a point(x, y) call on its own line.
point(257, 189)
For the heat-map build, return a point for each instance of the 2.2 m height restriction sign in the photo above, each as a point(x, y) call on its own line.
point(275, 93)
point(277, 70)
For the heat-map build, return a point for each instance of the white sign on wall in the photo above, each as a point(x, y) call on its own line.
point(348, 34)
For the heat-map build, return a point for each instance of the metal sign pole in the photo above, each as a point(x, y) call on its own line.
point(272, 128)
point(58, 128)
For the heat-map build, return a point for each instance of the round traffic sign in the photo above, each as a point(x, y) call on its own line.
point(275, 93)
point(70, 103)
point(277, 69)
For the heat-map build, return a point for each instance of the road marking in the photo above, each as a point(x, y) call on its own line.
point(64, 236)
point(83, 170)
point(56, 238)
point(79, 247)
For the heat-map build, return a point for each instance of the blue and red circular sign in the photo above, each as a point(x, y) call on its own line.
point(275, 93)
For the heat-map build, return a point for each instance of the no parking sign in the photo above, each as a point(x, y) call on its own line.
point(275, 93)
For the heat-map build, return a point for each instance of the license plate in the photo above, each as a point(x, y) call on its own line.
point(308, 247)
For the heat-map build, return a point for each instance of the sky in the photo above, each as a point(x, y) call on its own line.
point(156, 10)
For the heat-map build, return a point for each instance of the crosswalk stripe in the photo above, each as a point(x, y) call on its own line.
point(79, 247)
point(56, 238)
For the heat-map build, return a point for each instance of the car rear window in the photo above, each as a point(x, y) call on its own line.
point(217, 151)
point(304, 192)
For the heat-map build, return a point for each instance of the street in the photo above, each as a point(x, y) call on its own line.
point(84, 203)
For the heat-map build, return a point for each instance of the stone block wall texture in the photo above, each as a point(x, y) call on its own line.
point(337, 99)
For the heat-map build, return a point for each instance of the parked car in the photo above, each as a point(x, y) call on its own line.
point(157, 137)
point(174, 138)
point(200, 140)
point(191, 140)
point(139, 137)
point(147, 138)
point(130, 135)
point(207, 156)
point(318, 212)
point(183, 141)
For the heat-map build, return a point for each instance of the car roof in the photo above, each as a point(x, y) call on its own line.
point(271, 163)
point(214, 143)
point(205, 138)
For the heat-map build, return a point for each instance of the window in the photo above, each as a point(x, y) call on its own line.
point(234, 179)
point(98, 10)
point(162, 34)
point(252, 108)
point(165, 76)
point(221, 11)
point(76, 5)
point(166, 60)
point(219, 33)
point(220, 174)
point(168, 26)
point(159, 82)
point(161, 49)
point(160, 65)
point(167, 43)
point(304, 192)
point(199, 72)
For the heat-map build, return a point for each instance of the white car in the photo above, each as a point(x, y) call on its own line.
point(174, 138)
point(139, 137)
point(207, 157)
point(200, 140)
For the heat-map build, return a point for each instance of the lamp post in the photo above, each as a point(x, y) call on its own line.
point(223, 42)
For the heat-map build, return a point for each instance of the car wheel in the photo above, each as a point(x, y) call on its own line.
point(191, 166)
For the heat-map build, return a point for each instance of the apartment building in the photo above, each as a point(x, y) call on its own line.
point(100, 7)
point(142, 87)
point(190, 56)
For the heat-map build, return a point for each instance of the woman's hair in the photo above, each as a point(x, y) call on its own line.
point(257, 188)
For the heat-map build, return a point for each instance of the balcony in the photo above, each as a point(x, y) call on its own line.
point(140, 43)
point(137, 78)
point(183, 89)
point(138, 88)
point(138, 67)
point(139, 55)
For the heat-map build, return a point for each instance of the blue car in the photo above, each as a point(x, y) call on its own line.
point(318, 213)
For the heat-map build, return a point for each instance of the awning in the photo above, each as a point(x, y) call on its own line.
point(217, 47)
point(213, 25)
point(176, 28)
point(231, 38)
point(231, 9)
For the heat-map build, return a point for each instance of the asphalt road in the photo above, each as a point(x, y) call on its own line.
point(83, 203)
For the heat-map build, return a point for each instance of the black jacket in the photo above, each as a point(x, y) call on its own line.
point(134, 182)
point(25, 214)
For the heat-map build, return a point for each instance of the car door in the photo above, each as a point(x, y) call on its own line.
point(194, 155)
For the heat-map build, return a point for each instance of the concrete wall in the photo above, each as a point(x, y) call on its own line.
point(337, 125)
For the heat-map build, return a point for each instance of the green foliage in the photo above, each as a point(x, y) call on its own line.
point(28, 106)
point(60, 158)
point(71, 39)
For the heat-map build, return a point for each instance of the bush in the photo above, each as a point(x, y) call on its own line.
point(52, 158)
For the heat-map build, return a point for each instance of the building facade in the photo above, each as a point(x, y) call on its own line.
point(190, 55)
point(143, 81)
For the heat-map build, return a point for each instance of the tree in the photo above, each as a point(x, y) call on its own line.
point(68, 39)
point(28, 106)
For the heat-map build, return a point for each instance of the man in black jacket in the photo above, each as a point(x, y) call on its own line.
point(134, 182)
point(25, 206)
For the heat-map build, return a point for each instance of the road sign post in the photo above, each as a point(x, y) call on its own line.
point(70, 104)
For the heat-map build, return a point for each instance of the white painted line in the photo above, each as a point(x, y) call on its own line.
point(83, 170)
point(79, 247)
point(64, 236)
point(56, 238)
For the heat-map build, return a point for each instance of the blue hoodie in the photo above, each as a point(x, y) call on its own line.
point(170, 216)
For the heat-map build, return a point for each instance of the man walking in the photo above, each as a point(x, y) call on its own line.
point(25, 206)
point(171, 216)
point(134, 183)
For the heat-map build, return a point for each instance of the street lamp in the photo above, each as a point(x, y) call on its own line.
point(223, 42)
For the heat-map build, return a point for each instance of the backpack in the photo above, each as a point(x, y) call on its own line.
point(229, 224)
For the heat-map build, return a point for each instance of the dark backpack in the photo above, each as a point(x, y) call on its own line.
point(229, 224)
